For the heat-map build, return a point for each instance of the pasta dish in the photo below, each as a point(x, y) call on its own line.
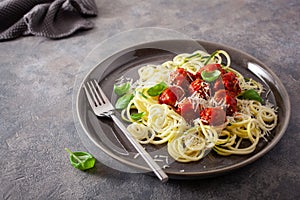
point(194, 104)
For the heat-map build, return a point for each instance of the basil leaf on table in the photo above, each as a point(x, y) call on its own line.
point(123, 101)
point(121, 89)
point(210, 76)
point(157, 89)
point(81, 160)
point(250, 94)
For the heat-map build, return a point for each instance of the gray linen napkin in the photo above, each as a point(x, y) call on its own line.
point(48, 18)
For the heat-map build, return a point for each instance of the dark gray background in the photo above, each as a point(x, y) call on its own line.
point(36, 88)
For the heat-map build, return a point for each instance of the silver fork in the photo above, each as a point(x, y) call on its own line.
point(102, 107)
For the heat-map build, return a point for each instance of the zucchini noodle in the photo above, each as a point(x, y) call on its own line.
point(193, 144)
point(191, 141)
point(162, 121)
point(152, 74)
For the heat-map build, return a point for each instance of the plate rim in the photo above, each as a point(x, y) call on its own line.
point(201, 174)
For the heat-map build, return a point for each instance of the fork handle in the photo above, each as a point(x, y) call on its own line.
point(146, 156)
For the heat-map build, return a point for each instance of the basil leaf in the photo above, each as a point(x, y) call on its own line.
point(157, 89)
point(123, 101)
point(210, 76)
point(121, 89)
point(137, 116)
point(250, 95)
point(81, 160)
point(247, 79)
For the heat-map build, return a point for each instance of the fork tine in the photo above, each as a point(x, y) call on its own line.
point(105, 99)
point(96, 92)
point(92, 103)
point(93, 92)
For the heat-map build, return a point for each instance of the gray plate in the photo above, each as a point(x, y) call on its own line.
point(105, 136)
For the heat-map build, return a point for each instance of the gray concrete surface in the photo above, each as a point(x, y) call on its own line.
point(36, 86)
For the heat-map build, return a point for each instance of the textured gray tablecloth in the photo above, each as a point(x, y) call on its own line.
point(48, 18)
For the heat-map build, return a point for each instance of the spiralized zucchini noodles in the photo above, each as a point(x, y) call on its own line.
point(196, 103)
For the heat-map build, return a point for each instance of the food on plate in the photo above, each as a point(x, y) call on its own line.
point(196, 103)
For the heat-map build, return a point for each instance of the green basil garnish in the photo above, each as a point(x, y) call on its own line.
point(157, 89)
point(210, 76)
point(247, 79)
point(250, 95)
point(123, 101)
point(121, 89)
point(137, 116)
point(81, 160)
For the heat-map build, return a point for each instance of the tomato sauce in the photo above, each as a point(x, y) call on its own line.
point(184, 84)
